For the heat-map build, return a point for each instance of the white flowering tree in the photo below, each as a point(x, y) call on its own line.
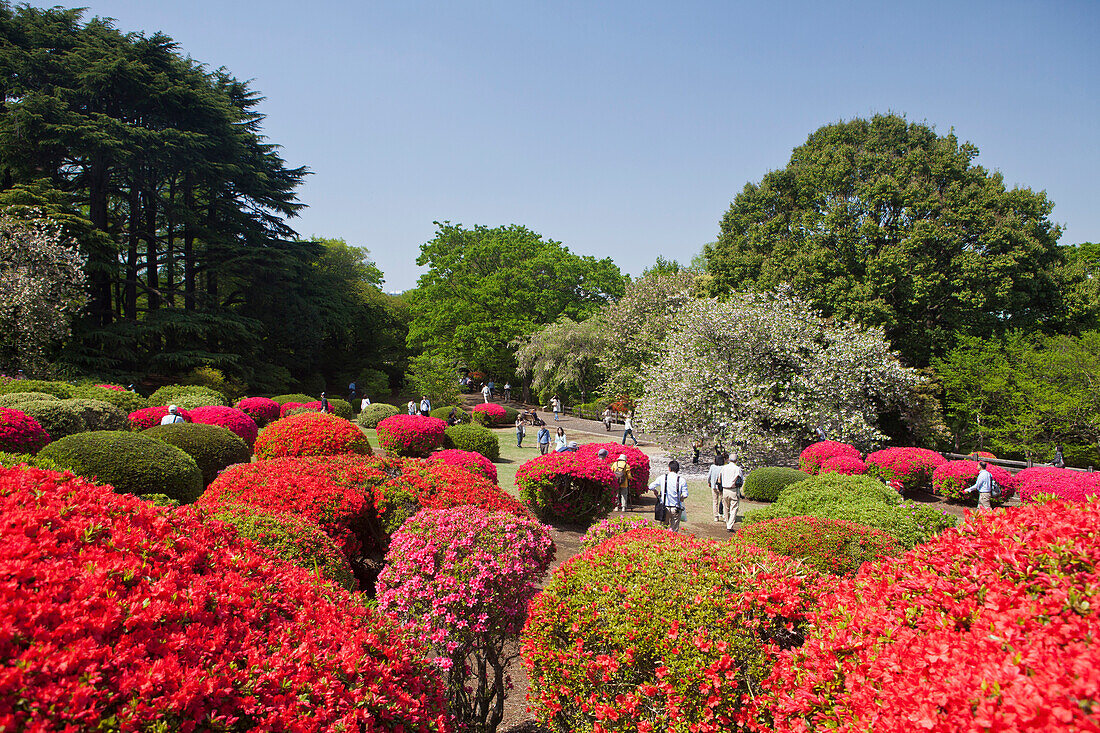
point(761, 372)
point(41, 289)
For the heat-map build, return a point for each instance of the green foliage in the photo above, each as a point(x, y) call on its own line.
point(827, 545)
point(187, 397)
point(591, 410)
point(126, 401)
point(474, 438)
point(57, 417)
point(510, 415)
point(14, 398)
point(433, 375)
point(833, 488)
point(889, 224)
point(60, 390)
point(130, 462)
point(373, 383)
point(444, 412)
point(11, 460)
point(98, 415)
point(375, 413)
point(563, 357)
point(159, 500)
point(282, 399)
point(214, 379)
point(340, 408)
point(213, 447)
point(764, 484)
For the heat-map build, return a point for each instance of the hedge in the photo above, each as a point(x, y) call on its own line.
point(187, 396)
point(130, 462)
point(60, 390)
point(282, 399)
point(444, 413)
point(59, 418)
point(124, 400)
point(311, 434)
point(474, 438)
point(375, 413)
point(764, 484)
point(828, 545)
point(213, 447)
point(98, 415)
point(14, 398)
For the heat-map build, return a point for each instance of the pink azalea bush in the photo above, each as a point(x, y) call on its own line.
point(462, 578)
point(952, 478)
point(411, 435)
point(235, 421)
point(847, 465)
point(260, 409)
point(1048, 481)
point(913, 467)
point(812, 458)
point(638, 462)
point(492, 412)
point(567, 486)
point(21, 433)
point(115, 387)
point(467, 460)
point(147, 417)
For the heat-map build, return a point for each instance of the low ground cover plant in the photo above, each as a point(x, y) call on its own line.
point(311, 434)
point(912, 467)
point(567, 487)
point(21, 433)
point(828, 545)
point(472, 437)
point(467, 460)
point(411, 435)
point(213, 447)
point(814, 456)
point(764, 484)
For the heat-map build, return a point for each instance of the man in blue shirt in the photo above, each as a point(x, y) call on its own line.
point(671, 489)
point(984, 486)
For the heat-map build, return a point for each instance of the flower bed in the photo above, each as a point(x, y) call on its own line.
point(468, 461)
point(992, 627)
point(654, 630)
point(567, 487)
point(951, 479)
point(143, 618)
point(812, 458)
point(828, 545)
point(235, 421)
point(260, 409)
point(488, 413)
point(913, 467)
point(846, 465)
point(147, 417)
point(411, 435)
point(638, 462)
point(20, 433)
point(1061, 483)
point(311, 434)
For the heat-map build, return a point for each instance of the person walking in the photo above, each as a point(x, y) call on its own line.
point(628, 429)
point(520, 431)
point(364, 403)
point(173, 416)
point(732, 478)
point(507, 391)
point(324, 403)
point(543, 439)
point(425, 406)
point(351, 393)
point(412, 407)
point(671, 490)
point(559, 440)
point(621, 470)
point(485, 392)
point(607, 419)
point(715, 484)
point(555, 405)
point(983, 484)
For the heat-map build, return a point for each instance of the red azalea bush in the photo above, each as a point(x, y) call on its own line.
point(811, 459)
point(311, 434)
point(115, 387)
point(982, 454)
point(235, 421)
point(467, 460)
point(567, 487)
point(488, 413)
point(286, 408)
point(952, 478)
point(125, 616)
point(913, 467)
point(614, 526)
point(992, 627)
point(846, 465)
point(260, 409)
point(1062, 483)
point(828, 545)
point(411, 435)
point(147, 417)
point(638, 462)
point(654, 630)
point(20, 433)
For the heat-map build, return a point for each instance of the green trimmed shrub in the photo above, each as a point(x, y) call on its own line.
point(340, 408)
point(14, 398)
point(213, 447)
point(832, 488)
point(98, 415)
point(11, 460)
point(474, 438)
point(510, 415)
point(159, 500)
point(375, 413)
point(294, 539)
point(764, 484)
point(828, 545)
point(444, 412)
point(282, 399)
point(60, 390)
point(299, 410)
point(126, 401)
point(187, 396)
point(130, 462)
point(57, 417)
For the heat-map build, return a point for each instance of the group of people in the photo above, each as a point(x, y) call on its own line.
point(542, 438)
point(424, 408)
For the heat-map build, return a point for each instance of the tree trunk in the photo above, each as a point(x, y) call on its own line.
point(169, 243)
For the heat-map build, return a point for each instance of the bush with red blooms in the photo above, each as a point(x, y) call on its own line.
point(638, 462)
point(654, 630)
point(411, 435)
point(615, 525)
point(235, 421)
point(488, 413)
point(125, 616)
point(1061, 483)
point(951, 479)
point(913, 467)
point(20, 433)
point(463, 578)
point(993, 626)
point(828, 545)
point(621, 404)
point(812, 458)
point(467, 460)
point(115, 387)
point(846, 465)
point(287, 407)
point(311, 434)
point(147, 417)
point(982, 454)
point(567, 487)
point(260, 409)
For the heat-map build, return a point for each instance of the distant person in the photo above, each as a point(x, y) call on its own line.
point(695, 448)
point(485, 392)
point(452, 416)
point(173, 416)
point(983, 484)
point(607, 419)
point(1059, 460)
point(543, 439)
point(535, 419)
point(714, 481)
point(559, 440)
point(411, 407)
point(732, 479)
point(351, 393)
point(324, 403)
point(425, 406)
point(507, 391)
point(364, 403)
point(555, 405)
point(671, 490)
point(19, 375)
point(520, 432)
point(628, 429)
point(570, 447)
point(621, 470)
point(820, 433)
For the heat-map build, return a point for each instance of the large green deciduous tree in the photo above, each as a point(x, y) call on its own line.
point(485, 287)
point(563, 358)
point(887, 223)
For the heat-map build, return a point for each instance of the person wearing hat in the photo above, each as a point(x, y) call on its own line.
point(173, 416)
point(621, 469)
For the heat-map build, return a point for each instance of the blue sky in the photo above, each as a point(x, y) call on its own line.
point(624, 129)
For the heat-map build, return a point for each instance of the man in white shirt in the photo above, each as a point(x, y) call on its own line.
point(485, 393)
point(716, 485)
point(173, 416)
point(984, 486)
point(732, 478)
point(671, 490)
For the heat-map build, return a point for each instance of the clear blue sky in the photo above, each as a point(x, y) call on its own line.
point(624, 129)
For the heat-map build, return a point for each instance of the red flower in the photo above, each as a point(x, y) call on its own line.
point(147, 417)
point(311, 434)
point(567, 486)
point(260, 409)
point(467, 460)
point(638, 462)
point(411, 435)
point(952, 478)
point(812, 458)
point(236, 421)
point(912, 466)
point(21, 433)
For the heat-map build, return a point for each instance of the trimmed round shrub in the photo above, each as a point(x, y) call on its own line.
point(411, 435)
point(187, 396)
point(298, 397)
point(236, 421)
point(567, 487)
point(291, 538)
point(130, 462)
point(214, 633)
point(20, 432)
point(638, 462)
point(296, 408)
point(375, 413)
point(614, 526)
point(952, 478)
point(339, 407)
point(489, 413)
point(58, 418)
point(828, 545)
point(812, 458)
point(467, 460)
point(122, 399)
point(147, 417)
point(1047, 481)
point(655, 630)
point(510, 415)
point(97, 415)
point(913, 467)
point(764, 484)
point(312, 434)
point(60, 390)
point(11, 460)
point(260, 409)
point(445, 412)
point(474, 438)
point(986, 628)
point(212, 446)
point(14, 398)
point(844, 464)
